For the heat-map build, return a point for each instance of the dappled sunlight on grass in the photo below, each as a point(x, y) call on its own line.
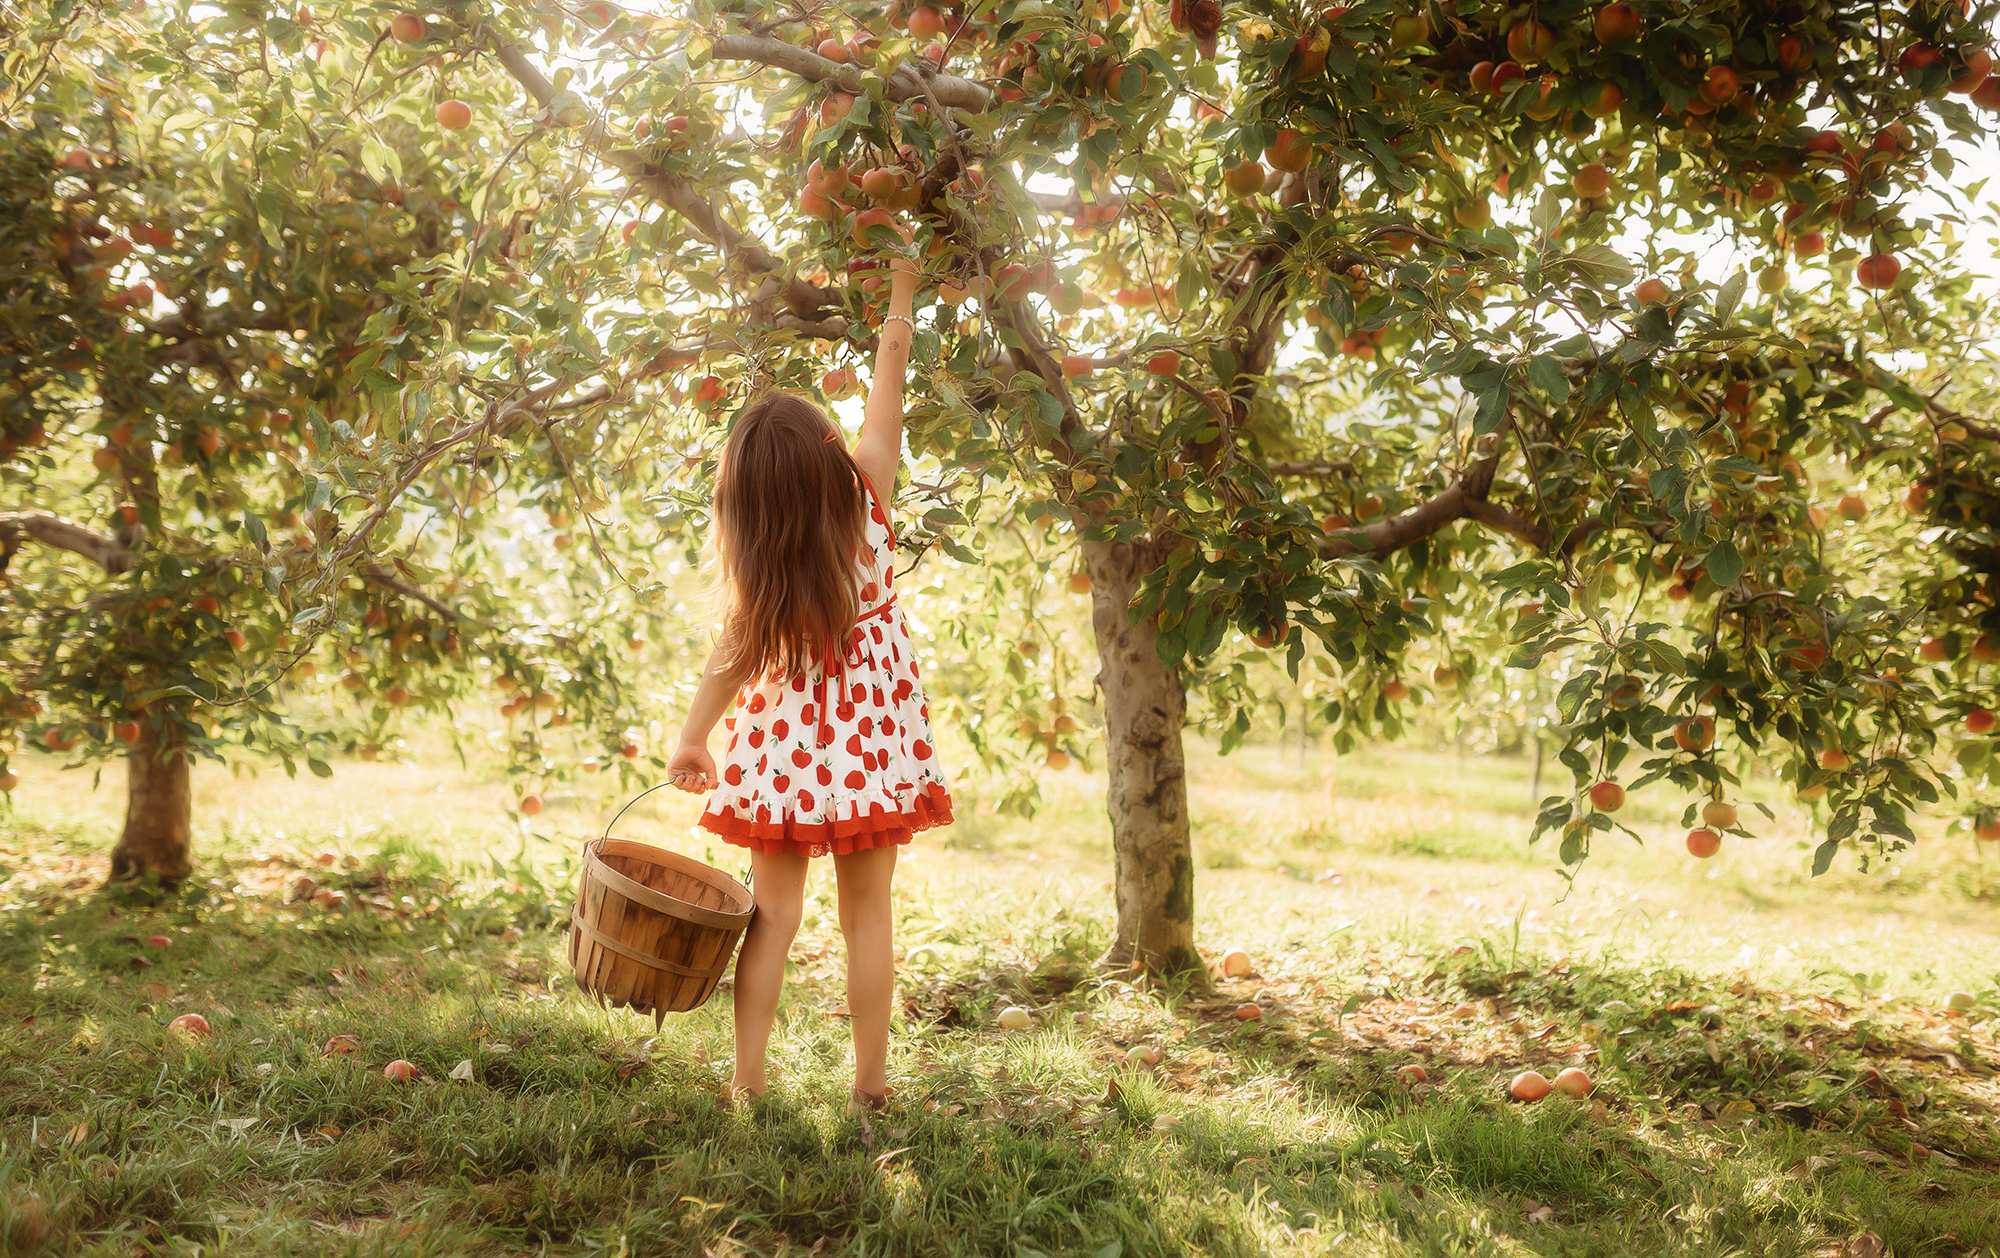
point(1775, 1074)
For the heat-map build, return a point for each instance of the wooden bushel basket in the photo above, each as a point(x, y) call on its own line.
point(651, 929)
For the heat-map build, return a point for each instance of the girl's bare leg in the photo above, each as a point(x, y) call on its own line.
point(868, 922)
point(779, 885)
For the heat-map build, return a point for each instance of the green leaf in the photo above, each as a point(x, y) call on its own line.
point(1823, 856)
point(1724, 564)
point(1731, 294)
point(319, 767)
point(1546, 374)
point(1599, 266)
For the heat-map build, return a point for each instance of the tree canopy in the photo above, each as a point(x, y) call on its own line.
point(1400, 344)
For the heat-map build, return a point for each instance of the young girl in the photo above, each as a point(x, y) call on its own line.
point(830, 750)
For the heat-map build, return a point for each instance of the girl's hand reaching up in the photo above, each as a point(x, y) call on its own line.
point(692, 769)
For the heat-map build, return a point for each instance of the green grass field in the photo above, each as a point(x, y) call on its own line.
point(1777, 1072)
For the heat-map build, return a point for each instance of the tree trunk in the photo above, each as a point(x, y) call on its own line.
point(1145, 706)
point(159, 808)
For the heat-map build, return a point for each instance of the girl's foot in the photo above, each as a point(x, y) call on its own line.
point(739, 1094)
point(869, 1102)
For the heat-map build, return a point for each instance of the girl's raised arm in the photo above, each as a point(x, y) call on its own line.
point(879, 450)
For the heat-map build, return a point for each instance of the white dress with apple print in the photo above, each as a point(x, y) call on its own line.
point(837, 763)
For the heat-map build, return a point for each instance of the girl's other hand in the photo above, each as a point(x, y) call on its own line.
point(692, 769)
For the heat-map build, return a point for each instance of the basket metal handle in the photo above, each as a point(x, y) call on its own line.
point(747, 878)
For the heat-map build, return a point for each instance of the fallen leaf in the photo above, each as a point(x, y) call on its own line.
point(462, 1072)
point(1866, 1245)
point(882, 1160)
point(77, 1135)
point(237, 1125)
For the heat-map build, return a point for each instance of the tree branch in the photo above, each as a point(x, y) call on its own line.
point(382, 577)
point(53, 530)
point(677, 193)
point(906, 82)
point(1386, 537)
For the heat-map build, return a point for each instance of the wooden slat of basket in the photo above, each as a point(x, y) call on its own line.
point(654, 896)
point(653, 933)
point(613, 979)
point(652, 929)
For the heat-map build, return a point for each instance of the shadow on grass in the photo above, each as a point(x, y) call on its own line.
point(1731, 1121)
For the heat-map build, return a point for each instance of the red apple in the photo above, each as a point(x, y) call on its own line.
point(1245, 179)
point(407, 27)
point(871, 218)
point(1610, 97)
point(1591, 180)
point(1529, 1085)
point(1695, 734)
point(401, 1071)
point(1164, 363)
point(1618, 22)
point(190, 1024)
point(1979, 721)
point(454, 115)
point(1851, 507)
point(830, 183)
point(1703, 843)
point(1878, 271)
point(1651, 292)
point(1575, 1082)
point(1530, 42)
point(1077, 365)
point(1607, 797)
point(1290, 151)
point(1719, 815)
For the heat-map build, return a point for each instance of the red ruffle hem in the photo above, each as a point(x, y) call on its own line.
point(843, 837)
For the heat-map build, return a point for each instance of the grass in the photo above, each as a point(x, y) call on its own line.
point(1776, 1072)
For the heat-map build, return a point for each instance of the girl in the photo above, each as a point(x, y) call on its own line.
point(830, 750)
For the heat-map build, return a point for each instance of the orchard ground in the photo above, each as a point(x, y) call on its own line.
point(1777, 1071)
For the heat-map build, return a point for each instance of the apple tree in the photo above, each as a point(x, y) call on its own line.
point(207, 239)
point(1378, 338)
point(1386, 342)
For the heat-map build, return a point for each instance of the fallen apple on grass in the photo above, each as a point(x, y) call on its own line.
point(192, 1024)
point(401, 1071)
point(1529, 1085)
point(1015, 1018)
point(1575, 1082)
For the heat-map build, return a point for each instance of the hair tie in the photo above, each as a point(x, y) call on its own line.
point(829, 438)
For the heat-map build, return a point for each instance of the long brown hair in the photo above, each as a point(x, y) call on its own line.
point(789, 530)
